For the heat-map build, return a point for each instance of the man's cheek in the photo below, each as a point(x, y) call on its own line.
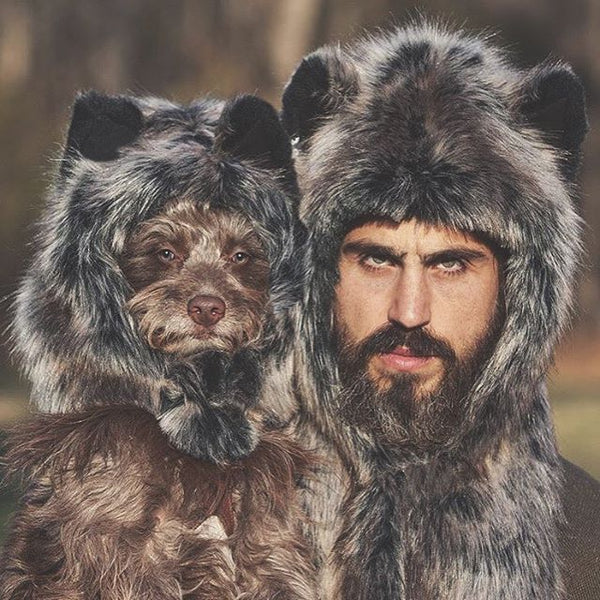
point(362, 319)
point(345, 321)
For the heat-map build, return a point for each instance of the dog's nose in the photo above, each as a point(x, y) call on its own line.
point(206, 310)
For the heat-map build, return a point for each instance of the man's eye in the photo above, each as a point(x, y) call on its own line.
point(373, 261)
point(240, 257)
point(451, 266)
point(166, 255)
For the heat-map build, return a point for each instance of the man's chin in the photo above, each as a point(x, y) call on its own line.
point(422, 406)
point(402, 409)
point(419, 385)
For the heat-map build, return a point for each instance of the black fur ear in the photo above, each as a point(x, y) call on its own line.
point(102, 124)
point(322, 83)
point(553, 101)
point(249, 128)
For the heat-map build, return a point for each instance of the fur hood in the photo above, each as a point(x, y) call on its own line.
point(124, 159)
point(430, 124)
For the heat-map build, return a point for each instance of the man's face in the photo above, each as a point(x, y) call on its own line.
point(416, 313)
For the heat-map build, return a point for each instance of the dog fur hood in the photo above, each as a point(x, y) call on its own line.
point(429, 124)
point(124, 159)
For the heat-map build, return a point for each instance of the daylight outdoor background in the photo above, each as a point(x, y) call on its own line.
point(185, 48)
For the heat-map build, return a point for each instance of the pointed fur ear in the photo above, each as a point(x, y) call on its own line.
point(100, 125)
point(553, 101)
point(323, 82)
point(249, 128)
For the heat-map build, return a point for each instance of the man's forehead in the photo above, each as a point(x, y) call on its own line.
point(412, 233)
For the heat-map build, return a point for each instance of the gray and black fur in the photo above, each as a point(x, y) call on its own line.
point(194, 504)
point(429, 124)
point(125, 160)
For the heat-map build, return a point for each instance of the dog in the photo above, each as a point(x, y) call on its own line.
point(169, 240)
point(200, 282)
point(113, 510)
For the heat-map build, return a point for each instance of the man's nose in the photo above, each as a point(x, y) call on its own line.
point(411, 302)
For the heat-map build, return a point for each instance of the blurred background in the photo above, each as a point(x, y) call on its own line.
point(186, 48)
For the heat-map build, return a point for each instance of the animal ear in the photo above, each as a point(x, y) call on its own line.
point(249, 128)
point(100, 125)
point(553, 101)
point(321, 85)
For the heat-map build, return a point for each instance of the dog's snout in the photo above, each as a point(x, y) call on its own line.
point(206, 310)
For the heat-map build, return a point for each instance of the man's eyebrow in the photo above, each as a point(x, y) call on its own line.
point(367, 248)
point(446, 254)
point(449, 254)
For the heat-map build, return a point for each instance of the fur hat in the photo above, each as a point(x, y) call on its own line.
point(124, 159)
point(429, 124)
point(439, 126)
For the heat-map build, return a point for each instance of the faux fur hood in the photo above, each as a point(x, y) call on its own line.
point(125, 158)
point(428, 124)
point(439, 126)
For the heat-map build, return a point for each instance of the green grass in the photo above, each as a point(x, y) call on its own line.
point(8, 498)
point(7, 506)
point(577, 419)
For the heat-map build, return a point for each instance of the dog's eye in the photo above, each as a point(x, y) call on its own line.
point(240, 258)
point(166, 255)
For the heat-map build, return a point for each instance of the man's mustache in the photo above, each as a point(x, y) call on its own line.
point(418, 341)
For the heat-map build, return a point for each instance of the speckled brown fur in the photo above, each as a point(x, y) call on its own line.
point(120, 514)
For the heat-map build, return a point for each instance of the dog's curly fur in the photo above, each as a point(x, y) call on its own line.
point(114, 512)
point(435, 125)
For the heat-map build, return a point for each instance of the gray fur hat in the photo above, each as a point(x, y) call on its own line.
point(124, 159)
point(439, 126)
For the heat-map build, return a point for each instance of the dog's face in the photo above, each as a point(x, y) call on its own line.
point(200, 280)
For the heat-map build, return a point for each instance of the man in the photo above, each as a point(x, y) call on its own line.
point(438, 186)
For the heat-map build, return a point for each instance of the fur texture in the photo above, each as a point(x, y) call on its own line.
point(125, 160)
point(163, 280)
point(434, 125)
point(114, 512)
point(200, 281)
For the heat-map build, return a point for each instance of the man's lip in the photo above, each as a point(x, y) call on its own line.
point(402, 351)
point(404, 359)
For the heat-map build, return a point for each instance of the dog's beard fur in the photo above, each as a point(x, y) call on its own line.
point(402, 415)
point(206, 239)
point(162, 319)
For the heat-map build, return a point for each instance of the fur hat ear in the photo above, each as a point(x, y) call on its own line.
point(322, 83)
point(100, 125)
point(552, 101)
point(249, 128)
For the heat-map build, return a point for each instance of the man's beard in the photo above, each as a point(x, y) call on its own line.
point(400, 414)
